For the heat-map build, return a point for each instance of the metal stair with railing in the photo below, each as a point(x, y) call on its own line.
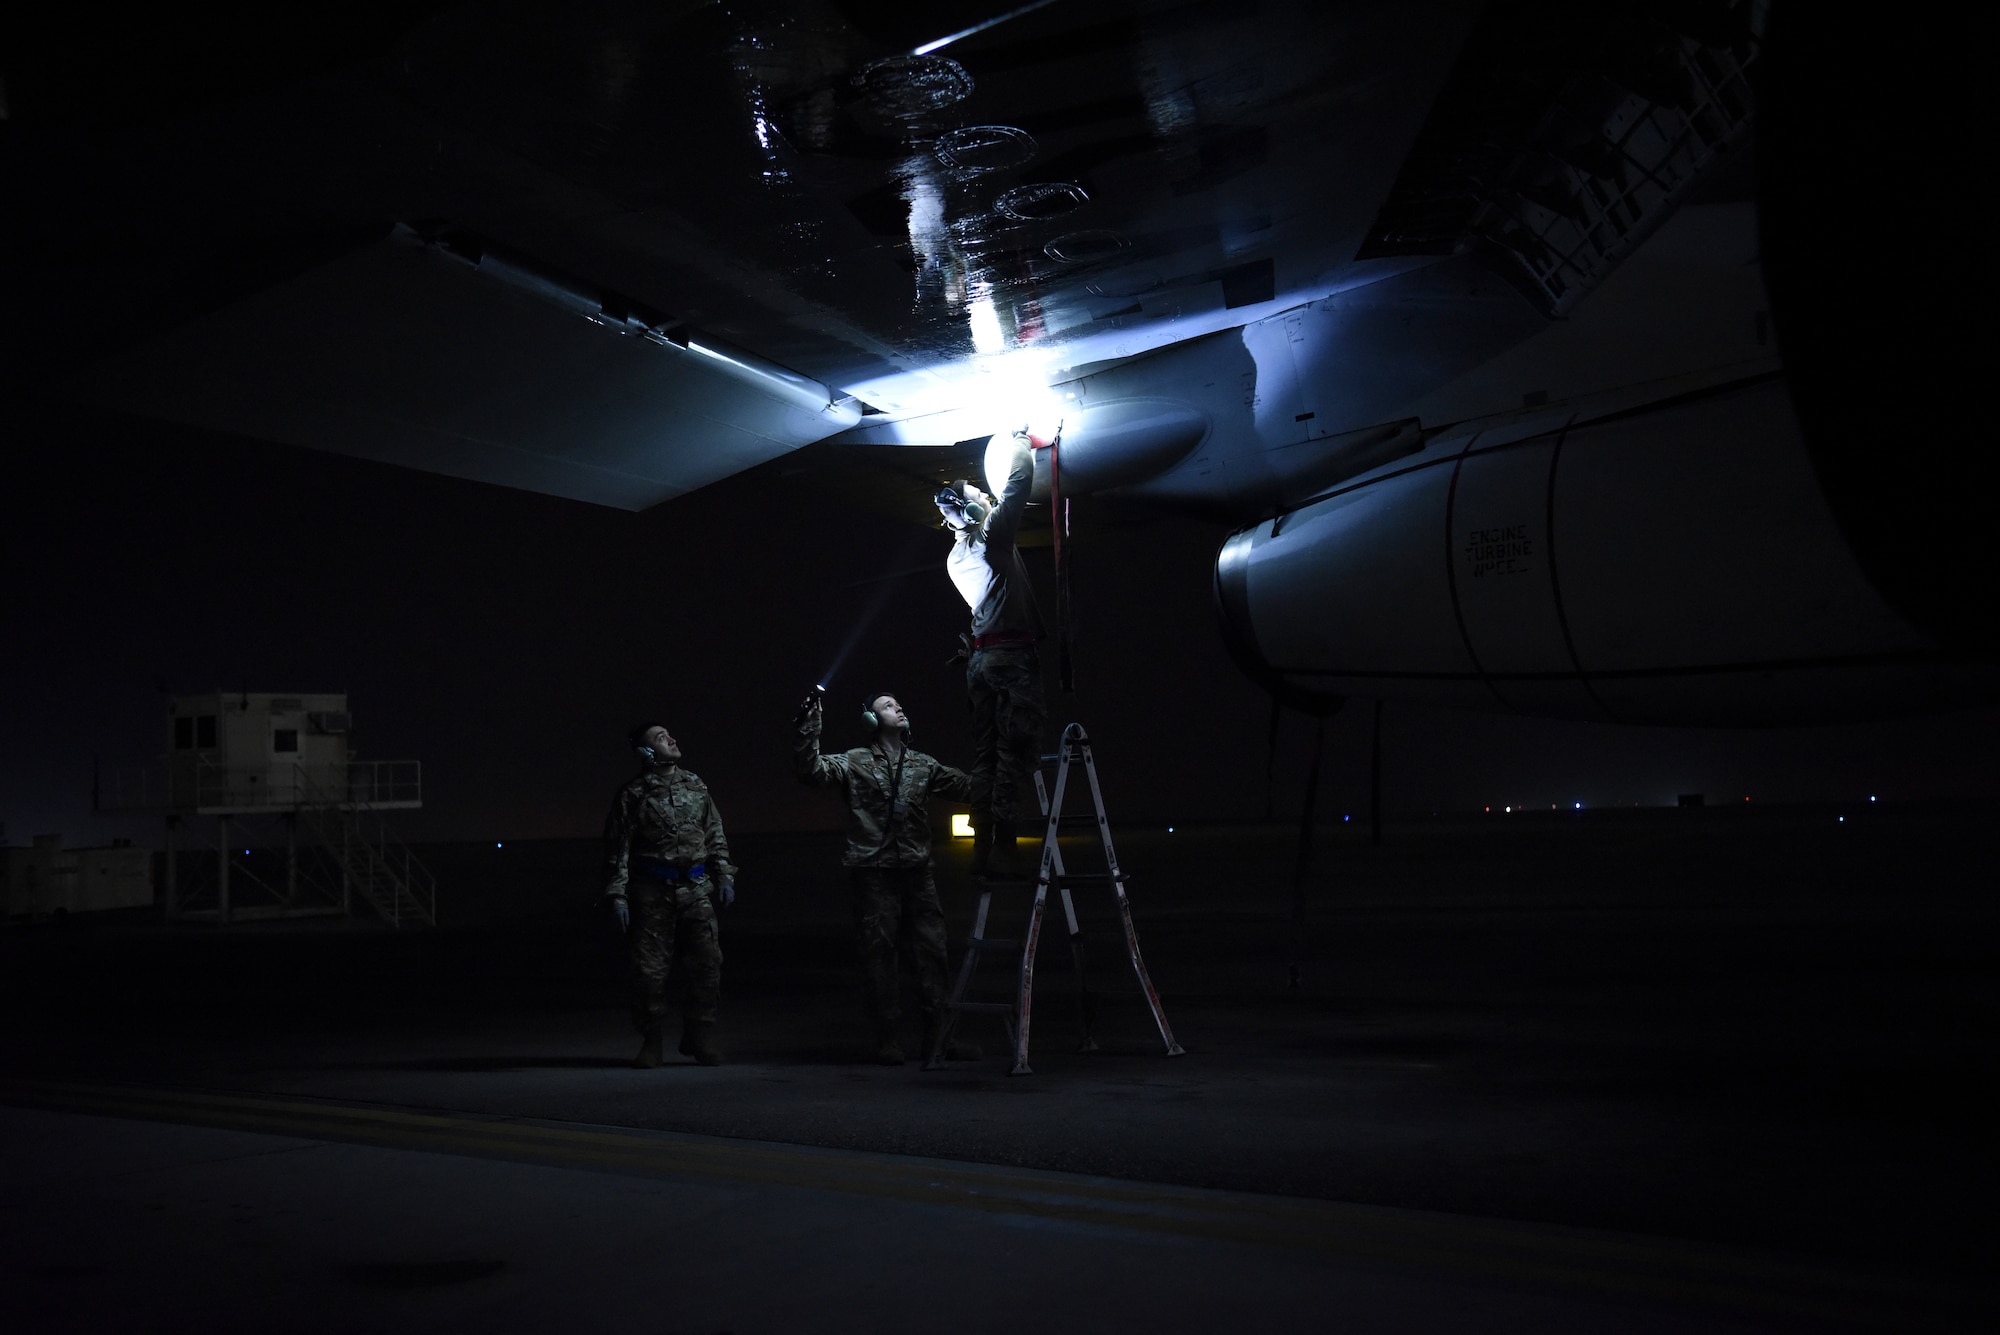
point(371, 861)
point(269, 813)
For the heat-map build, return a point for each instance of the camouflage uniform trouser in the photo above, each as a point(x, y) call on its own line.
point(1005, 685)
point(898, 906)
point(667, 919)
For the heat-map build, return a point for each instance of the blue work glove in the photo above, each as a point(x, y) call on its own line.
point(725, 892)
point(622, 910)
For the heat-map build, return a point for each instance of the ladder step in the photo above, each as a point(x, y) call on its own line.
point(1073, 750)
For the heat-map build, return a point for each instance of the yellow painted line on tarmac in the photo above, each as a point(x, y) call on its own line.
point(1536, 1255)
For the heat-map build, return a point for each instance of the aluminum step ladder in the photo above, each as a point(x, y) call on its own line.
point(1051, 872)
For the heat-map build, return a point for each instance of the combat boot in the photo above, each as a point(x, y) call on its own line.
point(1004, 860)
point(982, 843)
point(698, 1042)
point(650, 1054)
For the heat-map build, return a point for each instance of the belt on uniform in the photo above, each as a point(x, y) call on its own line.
point(655, 870)
point(1005, 639)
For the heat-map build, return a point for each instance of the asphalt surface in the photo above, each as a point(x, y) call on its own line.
point(1763, 1032)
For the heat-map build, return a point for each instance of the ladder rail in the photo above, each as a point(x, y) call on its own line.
point(1030, 939)
point(1052, 871)
point(1086, 1005)
point(1174, 1049)
point(960, 986)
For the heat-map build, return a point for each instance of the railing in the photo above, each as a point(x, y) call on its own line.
point(373, 862)
point(372, 783)
point(338, 810)
point(208, 787)
point(1579, 220)
point(129, 788)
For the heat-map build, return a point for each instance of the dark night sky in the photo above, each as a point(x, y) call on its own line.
point(507, 639)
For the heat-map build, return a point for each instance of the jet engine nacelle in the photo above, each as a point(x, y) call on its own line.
point(1672, 565)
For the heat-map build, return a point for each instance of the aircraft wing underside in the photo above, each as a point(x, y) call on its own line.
point(498, 245)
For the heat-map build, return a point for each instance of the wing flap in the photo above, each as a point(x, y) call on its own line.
point(398, 354)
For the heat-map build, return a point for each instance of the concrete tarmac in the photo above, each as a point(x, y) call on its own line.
point(347, 1218)
point(1714, 1046)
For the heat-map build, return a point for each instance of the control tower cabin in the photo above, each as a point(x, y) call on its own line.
point(253, 751)
point(290, 816)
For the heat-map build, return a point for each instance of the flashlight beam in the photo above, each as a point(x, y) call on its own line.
point(878, 603)
point(977, 28)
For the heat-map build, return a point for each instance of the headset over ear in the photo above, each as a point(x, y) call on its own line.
point(637, 736)
point(955, 498)
point(875, 724)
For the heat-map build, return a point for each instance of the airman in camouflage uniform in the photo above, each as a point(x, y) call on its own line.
point(1003, 675)
point(666, 862)
point(888, 856)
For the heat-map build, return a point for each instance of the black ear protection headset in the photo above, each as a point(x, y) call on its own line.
point(637, 736)
point(953, 497)
point(875, 724)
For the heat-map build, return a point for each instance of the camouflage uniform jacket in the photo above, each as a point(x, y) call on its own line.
point(887, 826)
point(665, 813)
